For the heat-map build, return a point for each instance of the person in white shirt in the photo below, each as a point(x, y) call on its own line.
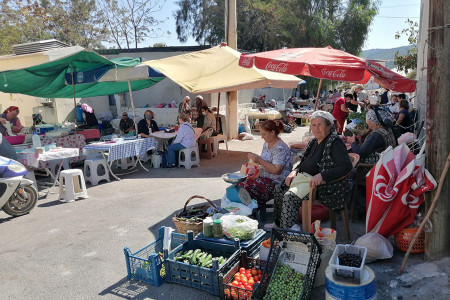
point(185, 139)
point(394, 108)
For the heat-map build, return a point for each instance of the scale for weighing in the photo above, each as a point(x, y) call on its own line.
point(235, 193)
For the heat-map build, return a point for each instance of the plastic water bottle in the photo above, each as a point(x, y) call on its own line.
point(36, 141)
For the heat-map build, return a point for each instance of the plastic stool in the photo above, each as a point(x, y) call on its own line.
point(125, 163)
point(189, 157)
point(72, 185)
point(156, 160)
point(95, 170)
point(207, 148)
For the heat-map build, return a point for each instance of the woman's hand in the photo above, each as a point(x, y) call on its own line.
point(2, 120)
point(252, 156)
point(316, 180)
point(351, 139)
point(290, 177)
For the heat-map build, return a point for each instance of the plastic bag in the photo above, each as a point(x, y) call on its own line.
point(236, 207)
point(239, 227)
point(325, 236)
point(251, 169)
point(378, 247)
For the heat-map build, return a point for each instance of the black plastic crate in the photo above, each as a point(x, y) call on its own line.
point(227, 290)
point(201, 278)
point(277, 236)
point(250, 246)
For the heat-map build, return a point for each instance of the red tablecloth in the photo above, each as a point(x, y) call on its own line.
point(70, 141)
point(89, 133)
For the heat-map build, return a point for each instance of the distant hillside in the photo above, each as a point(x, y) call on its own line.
point(385, 54)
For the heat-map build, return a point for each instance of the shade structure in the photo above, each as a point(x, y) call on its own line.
point(327, 63)
point(395, 189)
point(48, 79)
point(217, 70)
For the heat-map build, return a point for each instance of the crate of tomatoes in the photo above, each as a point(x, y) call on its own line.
point(237, 283)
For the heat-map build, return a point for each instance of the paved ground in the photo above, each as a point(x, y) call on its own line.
point(75, 250)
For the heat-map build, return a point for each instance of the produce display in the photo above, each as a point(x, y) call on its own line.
point(239, 227)
point(285, 284)
point(189, 219)
point(242, 284)
point(198, 257)
point(350, 260)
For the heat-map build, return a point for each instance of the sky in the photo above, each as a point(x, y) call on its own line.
point(390, 19)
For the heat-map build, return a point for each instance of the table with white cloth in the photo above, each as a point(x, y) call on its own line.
point(254, 115)
point(116, 150)
point(70, 141)
point(33, 161)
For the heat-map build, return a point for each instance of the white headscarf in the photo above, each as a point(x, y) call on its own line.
point(323, 114)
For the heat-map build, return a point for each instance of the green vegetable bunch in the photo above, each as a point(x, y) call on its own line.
point(198, 257)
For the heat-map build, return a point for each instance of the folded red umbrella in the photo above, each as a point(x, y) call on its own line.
point(395, 189)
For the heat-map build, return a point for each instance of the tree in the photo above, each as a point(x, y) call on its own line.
point(408, 62)
point(132, 21)
point(272, 24)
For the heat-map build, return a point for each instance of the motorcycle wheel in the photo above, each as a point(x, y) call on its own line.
point(16, 206)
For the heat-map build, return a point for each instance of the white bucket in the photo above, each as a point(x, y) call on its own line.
point(337, 290)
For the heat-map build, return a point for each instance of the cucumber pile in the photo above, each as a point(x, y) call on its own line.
point(198, 257)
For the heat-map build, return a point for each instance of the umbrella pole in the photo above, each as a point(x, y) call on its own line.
point(318, 94)
point(74, 98)
point(428, 215)
point(132, 106)
point(218, 111)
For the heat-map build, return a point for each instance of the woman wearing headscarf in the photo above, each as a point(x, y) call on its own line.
point(325, 160)
point(184, 106)
point(381, 136)
point(10, 115)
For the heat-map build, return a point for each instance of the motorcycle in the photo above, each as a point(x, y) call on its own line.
point(18, 195)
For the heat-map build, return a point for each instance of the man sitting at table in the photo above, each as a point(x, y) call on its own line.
point(126, 125)
point(147, 125)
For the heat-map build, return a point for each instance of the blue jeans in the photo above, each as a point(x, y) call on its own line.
point(172, 152)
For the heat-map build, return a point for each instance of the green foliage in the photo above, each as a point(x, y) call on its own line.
point(271, 24)
point(408, 62)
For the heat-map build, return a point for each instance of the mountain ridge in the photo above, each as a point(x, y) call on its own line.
point(387, 55)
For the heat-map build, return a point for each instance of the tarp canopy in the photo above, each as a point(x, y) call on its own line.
point(217, 70)
point(48, 80)
point(327, 63)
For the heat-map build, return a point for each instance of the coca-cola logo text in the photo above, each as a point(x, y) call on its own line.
point(339, 73)
point(277, 67)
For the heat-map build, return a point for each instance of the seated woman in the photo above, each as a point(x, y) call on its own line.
point(185, 139)
point(147, 125)
point(325, 159)
point(89, 116)
point(210, 120)
point(275, 160)
point(184, 106)
point(10, 114)
point(380, 137)
point(404, 122)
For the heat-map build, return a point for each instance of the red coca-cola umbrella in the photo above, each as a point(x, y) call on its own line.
point(327, 63)
point(395, 189)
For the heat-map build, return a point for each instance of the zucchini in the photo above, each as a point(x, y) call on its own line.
point(207, 262)
point(194, 257)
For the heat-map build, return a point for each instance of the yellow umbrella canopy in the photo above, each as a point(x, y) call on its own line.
point(217, 70)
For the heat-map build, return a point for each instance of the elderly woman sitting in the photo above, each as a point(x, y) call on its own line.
point(381, 136)
point(275, 160)
point(325, 160)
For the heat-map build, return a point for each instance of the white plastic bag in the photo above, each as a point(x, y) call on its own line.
point(378, 247)
point(237, 208)
point(239, 227)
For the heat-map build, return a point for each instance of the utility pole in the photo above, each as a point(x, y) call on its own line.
point(437, 124)
point(231, 38)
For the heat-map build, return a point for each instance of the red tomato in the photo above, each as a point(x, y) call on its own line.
point(251, 282)
point(235, 283)
point(244, 280)
point(247, 287)
point(241, 270)
point(254, 272)
point(259, 272)
point(238, 279)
